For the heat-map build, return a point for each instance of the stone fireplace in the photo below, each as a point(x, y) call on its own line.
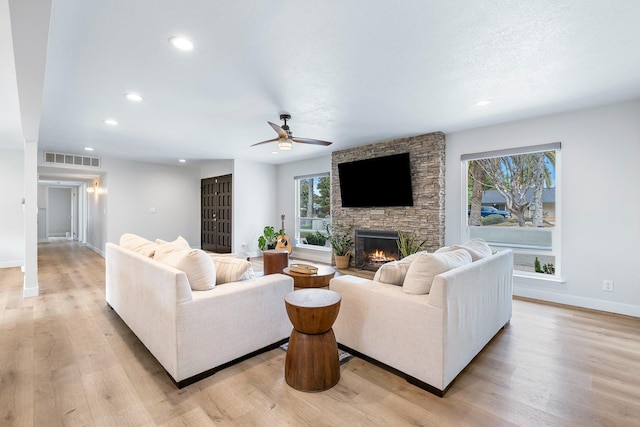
point(374, 248)
point(425, 218)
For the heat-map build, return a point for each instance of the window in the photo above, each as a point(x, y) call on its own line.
point(313, 210)
point(512, 202)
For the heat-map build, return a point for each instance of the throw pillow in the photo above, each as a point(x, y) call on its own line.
point(138, 244)
point(393, 272)
point(197, 265)
point(477, 248)
point(426, 266)
point(180, 242)
point(231, 269)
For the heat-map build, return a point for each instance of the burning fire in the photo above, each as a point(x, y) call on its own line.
point(380, 256)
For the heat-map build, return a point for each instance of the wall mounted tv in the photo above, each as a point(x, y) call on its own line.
point(377, 182)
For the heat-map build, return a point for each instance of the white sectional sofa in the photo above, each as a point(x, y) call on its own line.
point(195, 333)
point(430, 338)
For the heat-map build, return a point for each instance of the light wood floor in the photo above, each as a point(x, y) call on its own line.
point(67, 359)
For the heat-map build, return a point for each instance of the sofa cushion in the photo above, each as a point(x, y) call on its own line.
point(477, 248)
point(180, 242)
point(197, 265)
point(427, 266)
point(230, 269)
point(393, 272)
point(138, 244)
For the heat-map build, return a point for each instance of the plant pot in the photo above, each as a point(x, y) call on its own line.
point(342, 261)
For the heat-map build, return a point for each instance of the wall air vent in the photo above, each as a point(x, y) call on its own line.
point(71, 159)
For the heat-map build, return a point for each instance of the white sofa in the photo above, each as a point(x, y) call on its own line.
point(195, 333)
point(428, 339)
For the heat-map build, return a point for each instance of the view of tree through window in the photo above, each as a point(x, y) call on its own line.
point(314, 209)
point(511, 202)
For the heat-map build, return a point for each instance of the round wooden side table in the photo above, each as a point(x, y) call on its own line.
point(318, 280)
point(311, 363)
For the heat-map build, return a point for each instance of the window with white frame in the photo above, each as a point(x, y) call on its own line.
point(313, 210)
point(512, 201)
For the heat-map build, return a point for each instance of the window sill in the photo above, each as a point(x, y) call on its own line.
point(314, 247)
point(537, 278)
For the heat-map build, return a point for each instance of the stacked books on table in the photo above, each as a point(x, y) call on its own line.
point(303, 269)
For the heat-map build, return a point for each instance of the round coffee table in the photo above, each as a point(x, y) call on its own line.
point(319, 280)
point(311, 363)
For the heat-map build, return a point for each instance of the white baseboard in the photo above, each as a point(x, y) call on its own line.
point(96, 250)
point(30, 292)
point(10, 264)
point(590, 303)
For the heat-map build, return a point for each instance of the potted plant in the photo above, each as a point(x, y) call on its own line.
point(408, 243)
point(341, 243)
point(268, 238)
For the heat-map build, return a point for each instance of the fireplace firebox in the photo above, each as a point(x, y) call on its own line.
point(374, 248)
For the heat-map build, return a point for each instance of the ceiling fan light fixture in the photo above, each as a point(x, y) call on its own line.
point(285, 144)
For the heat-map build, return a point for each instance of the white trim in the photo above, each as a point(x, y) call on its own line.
point(30, 292)
point(311, 175)
point(590, 303)
point(554, 146)
point(96, 250)
point(538, 278)
point(11, 264)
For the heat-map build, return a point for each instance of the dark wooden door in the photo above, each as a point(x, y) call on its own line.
point(216, 214)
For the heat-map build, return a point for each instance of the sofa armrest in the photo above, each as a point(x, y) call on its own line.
point(230, 321)
point(476, 300)
point(145, 294)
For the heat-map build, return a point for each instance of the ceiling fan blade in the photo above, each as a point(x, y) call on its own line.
point(281, 132)
point(310, 141)
point(264, 142)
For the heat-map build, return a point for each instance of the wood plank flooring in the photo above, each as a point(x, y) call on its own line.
point(66, 359)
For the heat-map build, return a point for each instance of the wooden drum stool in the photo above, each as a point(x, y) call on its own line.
point(275, 260)
point(312, 361)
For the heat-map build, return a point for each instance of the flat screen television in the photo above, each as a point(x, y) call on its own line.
point(377, 182)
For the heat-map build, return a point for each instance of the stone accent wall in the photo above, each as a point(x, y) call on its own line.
point(426, 216)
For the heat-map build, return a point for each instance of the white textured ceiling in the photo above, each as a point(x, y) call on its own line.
point(351, 72)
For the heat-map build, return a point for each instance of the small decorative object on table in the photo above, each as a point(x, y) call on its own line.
point(303, 268)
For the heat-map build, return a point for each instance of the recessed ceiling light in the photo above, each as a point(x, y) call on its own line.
point(133, 97)
point(483, 103)
point(182, 161)
point(181, 43)
point(274, 152)
point(88, 148)
point(111, 122)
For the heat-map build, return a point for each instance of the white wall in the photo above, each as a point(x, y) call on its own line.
point(600, 206)
point(12, 216)
point(59, 211)
point(133, 189)
point(215, 168)
point(97, 216)
point(254, 203)
point(286, 198)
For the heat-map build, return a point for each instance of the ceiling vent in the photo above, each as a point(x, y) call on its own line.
point(71, 159)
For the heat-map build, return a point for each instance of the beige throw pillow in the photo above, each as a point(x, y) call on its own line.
point(180, 242)
point(477, 248)
point(393, 272)
point(230, 269)
point(138, 244)
point(427, 266)
point(197, 265)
